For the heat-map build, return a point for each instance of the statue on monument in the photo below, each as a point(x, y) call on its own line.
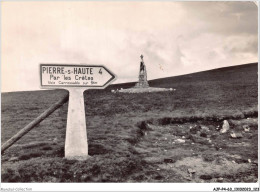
point(142, 83)
point(142, 64)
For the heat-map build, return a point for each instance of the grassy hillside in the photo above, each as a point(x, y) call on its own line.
point(133, 137)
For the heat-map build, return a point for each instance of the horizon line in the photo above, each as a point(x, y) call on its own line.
point(136, 81)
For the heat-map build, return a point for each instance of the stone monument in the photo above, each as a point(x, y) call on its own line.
point(142, 83)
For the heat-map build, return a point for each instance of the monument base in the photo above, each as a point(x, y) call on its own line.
point(144, 90)
point(141, 85)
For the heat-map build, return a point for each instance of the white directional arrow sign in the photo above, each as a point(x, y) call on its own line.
point(54, 76)
point(76, 79)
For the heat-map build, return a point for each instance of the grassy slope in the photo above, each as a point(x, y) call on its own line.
point(112, 121)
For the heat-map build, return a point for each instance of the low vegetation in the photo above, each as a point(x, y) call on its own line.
point(145, 137)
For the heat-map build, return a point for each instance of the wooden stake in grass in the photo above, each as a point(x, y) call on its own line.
point(35, 122)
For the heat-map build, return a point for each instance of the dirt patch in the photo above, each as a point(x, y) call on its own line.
point(181, 151)
point(198, 145)
point(214, 169)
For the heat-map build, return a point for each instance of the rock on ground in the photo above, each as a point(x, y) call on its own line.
point(225, 127)
point(236, 135)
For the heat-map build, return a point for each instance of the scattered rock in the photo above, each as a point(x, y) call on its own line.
point(84, 177)
point(220, 180)
point(233, 135)
point(236, 156)
point(146, 126)
point(236, 135)
point(112, 91)
point(183, 137)
point(191, 171)
point(249, 161)
point(225, 127)
point(246, 128)
point(13, 159)
point(180, 141)
point(149, 126)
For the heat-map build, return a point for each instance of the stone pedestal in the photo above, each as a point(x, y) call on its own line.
point(76, 143)
point(142, 83)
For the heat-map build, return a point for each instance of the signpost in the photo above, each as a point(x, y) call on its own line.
point(76, 79)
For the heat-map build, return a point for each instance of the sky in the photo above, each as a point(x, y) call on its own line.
point(175, 37)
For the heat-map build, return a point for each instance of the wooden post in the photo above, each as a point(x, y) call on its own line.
point(35, 122)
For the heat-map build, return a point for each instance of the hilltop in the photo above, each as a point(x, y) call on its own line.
point(219, 74)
